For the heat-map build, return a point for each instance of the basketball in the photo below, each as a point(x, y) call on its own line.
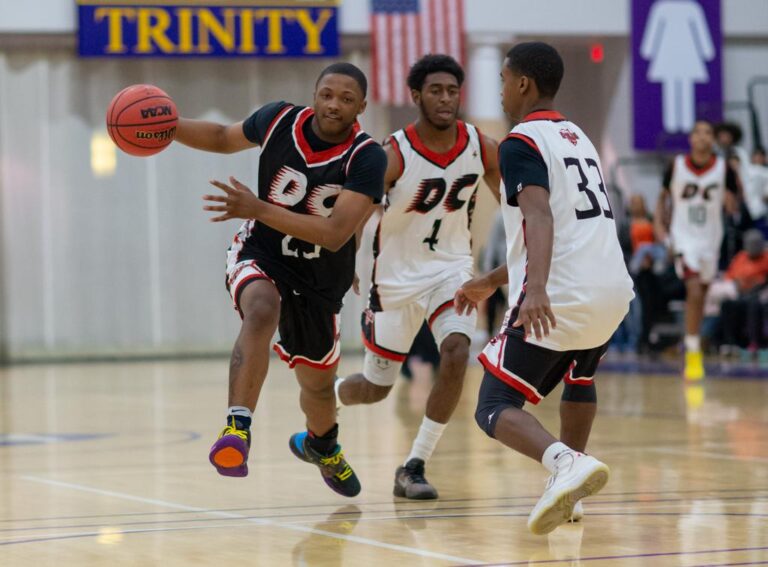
point(141, 120)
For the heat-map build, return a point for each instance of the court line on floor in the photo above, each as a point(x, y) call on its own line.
point(752, 493)
point(627, 556)
point(258, 521)
point(708, 455)
point(596, 507)
point(733, 564)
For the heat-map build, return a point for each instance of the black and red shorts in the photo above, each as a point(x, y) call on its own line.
point(535, 371)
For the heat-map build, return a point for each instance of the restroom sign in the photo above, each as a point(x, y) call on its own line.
point(677, 69)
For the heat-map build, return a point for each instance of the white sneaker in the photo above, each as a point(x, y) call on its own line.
point(578, 512)
point(576, 476)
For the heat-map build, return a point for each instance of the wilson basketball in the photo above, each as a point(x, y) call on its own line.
point(141, 120)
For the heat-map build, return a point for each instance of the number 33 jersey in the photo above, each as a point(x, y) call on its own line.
point(588, 286)
point(424, 234)
point(697, 205)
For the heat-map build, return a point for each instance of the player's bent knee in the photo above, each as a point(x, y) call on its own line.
point(455, 350)
point(380, 371)
point(260, 307)
point(495, 396)
point(582, 393)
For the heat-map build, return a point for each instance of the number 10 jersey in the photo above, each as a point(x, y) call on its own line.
point(697, 205)
point(424, 234)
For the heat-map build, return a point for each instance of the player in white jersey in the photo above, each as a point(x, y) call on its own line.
point(696, 187)
point(568, 286)
point(423, 252)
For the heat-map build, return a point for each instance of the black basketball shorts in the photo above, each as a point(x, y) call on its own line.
point(535, 371)
point(309, 333)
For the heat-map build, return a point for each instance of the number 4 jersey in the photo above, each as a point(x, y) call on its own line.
point(424, 234)
point(588, 286)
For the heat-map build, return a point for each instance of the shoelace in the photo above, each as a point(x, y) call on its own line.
point(559, 466)
point(333, 462)
point(233, 430)
point(416, 476)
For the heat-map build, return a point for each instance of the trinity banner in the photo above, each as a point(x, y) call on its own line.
point(210, 28)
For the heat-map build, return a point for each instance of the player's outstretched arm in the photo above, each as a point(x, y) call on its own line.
point(212, 137)
point(478, 289)
point(492, 176)
point(535, 313)
point(333, 232)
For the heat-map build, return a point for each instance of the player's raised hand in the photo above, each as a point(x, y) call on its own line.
point(471, 293)
point(238, 201)
point(535, 314)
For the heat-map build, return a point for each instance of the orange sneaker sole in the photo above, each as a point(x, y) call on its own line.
point(228, 458)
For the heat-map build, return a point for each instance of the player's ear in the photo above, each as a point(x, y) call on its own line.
point(363, 106)
point(524, 85)
point(415, 96)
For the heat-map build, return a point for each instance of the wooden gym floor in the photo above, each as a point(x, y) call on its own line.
point(106, 464)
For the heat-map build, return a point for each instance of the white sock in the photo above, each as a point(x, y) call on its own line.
point(426, 441)
point(692, 343)
point(551, 454)
point(241, 411)
point(336, 386)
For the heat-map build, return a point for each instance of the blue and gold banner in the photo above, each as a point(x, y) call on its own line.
point(211, 28)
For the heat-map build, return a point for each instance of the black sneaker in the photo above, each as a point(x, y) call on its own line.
point(337, 473)
point(410, 482)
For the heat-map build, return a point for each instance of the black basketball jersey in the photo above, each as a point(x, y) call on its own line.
point(302, 173)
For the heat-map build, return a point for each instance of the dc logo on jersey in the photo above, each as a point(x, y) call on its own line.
point(432, 191)
point(692, 189)
point(572, 137)
point(289, 188)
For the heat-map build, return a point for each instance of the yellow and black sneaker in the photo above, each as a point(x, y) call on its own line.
point(229, 454)
point(337, 473)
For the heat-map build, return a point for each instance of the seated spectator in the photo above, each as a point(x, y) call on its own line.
point(655, 280)
point(743, 319)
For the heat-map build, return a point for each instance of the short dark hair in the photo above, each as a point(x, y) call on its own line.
point(732, 128)
point(538, 61)
point(433, 63)
point(350, 71)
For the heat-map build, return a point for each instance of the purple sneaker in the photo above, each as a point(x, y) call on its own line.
point(229, 453)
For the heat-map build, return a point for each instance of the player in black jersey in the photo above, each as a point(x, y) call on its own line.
point(293, 259)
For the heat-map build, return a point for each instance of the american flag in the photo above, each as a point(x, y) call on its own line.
point(405, 30)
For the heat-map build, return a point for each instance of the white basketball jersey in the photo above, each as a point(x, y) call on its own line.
point(424, 232)
point(588, 286)
point(697, 205)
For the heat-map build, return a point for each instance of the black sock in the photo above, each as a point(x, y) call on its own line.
point(241, 421)
point(324, 444)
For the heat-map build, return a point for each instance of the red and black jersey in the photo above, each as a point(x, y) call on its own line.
point(301, 172)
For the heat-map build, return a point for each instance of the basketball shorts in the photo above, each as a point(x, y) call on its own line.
point(388, 334)
point(535, 371)
point(309, 333)
point(697, 263)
